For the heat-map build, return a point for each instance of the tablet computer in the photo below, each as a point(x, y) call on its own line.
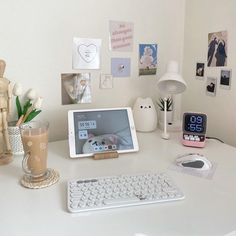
point(101, 130)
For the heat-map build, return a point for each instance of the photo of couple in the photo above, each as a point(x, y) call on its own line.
point(217, 49)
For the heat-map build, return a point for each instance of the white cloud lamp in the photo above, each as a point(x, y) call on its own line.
point(169, 84)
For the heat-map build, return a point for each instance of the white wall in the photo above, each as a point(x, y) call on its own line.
point(36, 43)
point(203, 17)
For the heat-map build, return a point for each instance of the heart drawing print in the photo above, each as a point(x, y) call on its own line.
point(87, 52)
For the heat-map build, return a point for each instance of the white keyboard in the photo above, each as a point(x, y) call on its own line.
point(120, 191)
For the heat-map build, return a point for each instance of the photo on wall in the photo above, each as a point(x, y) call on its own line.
point(200, 70)
point(76, 88)
point(217, 49)
point(147, 59)
point(225, 79)
point(211, 85)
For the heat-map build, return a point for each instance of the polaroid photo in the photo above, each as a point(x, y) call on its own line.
point(200, 70)
point(225, 79)
point(211, 85)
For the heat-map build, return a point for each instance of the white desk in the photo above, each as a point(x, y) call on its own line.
point(209, 207)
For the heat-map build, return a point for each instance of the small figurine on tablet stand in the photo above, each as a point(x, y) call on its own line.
point(5, 108)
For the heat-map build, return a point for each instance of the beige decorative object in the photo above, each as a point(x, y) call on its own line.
point(145, 115)
point(15, 139)
point(52, 178)
point(5, 108)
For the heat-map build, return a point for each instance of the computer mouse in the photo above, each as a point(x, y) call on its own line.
point(194, 161)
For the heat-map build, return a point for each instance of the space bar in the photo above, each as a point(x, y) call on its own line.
point(121, 201)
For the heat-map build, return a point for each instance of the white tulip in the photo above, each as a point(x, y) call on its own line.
point(38, 103)
point(17, 89)
point(31, 94)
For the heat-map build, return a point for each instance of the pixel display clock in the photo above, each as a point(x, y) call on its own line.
point(194, 129)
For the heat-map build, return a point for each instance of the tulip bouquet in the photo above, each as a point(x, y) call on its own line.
point(30, 108)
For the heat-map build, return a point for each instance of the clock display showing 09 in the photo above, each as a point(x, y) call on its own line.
point(195, 123)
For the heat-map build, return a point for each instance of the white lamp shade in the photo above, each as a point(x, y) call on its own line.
point(171, 82)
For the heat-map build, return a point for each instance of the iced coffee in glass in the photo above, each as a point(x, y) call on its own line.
point(34, 135)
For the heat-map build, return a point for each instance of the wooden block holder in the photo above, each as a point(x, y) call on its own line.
point(105, 155)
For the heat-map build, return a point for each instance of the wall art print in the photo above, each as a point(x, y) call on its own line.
point(120, 67)
point(147, 59)
point(86, 53)
point(121, 36)
point(217, 49)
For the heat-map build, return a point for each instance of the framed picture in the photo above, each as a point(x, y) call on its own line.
point(225, 79)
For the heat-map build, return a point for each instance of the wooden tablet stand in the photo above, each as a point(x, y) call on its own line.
point(105, 155)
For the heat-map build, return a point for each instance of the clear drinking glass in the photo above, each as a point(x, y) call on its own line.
point(34, 135)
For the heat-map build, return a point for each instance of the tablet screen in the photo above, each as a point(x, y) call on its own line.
point(101, 130)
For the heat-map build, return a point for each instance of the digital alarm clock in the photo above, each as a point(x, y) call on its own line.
point(194, 129)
